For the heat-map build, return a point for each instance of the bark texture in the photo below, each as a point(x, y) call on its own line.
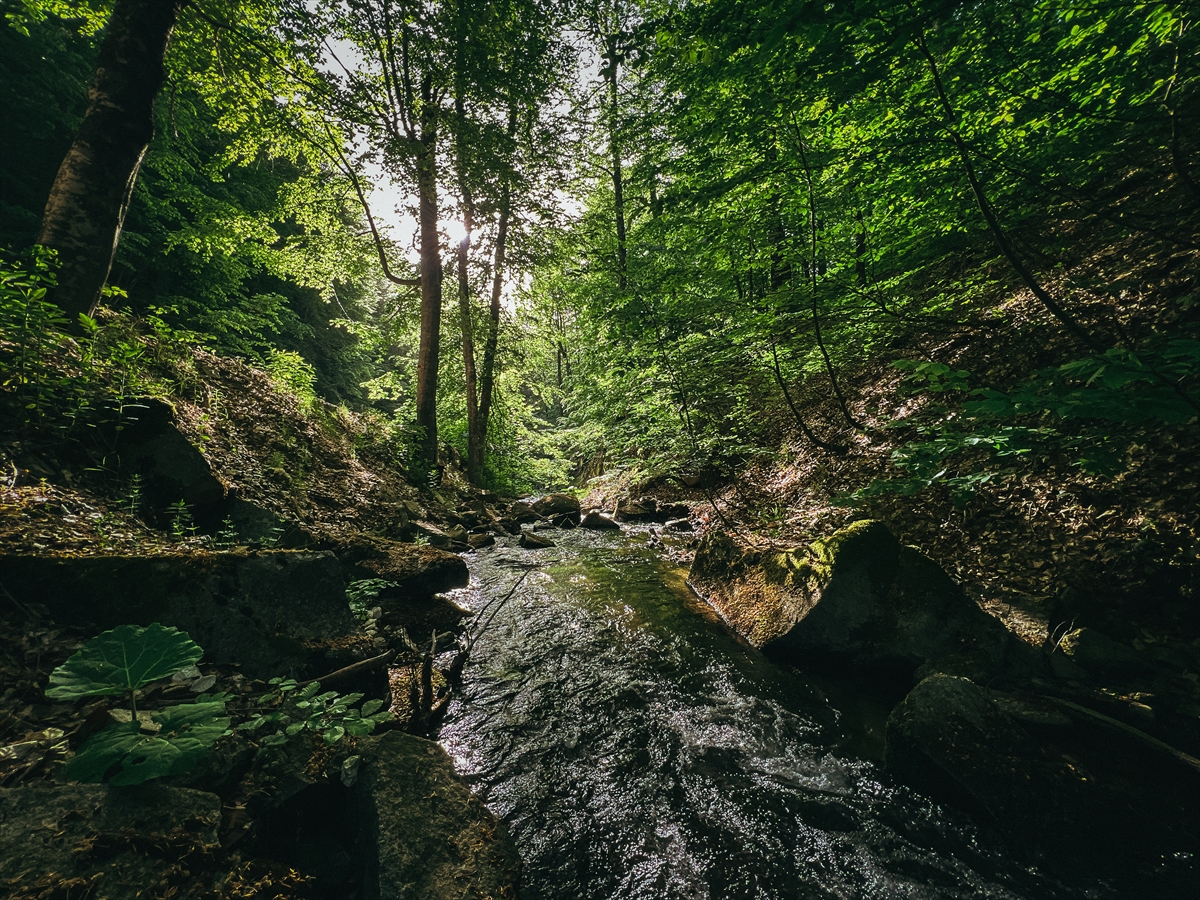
point(91, 192)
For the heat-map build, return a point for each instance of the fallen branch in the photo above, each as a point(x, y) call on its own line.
point(1141, 737)
point(365, 665)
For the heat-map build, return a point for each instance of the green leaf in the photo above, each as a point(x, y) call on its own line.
point(123, 659)
point(370, 707)
point(187, 732)
point(334, 734)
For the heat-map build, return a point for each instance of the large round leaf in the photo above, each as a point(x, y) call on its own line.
point(120, 660)
point(187, 732)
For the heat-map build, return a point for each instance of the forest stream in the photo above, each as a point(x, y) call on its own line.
point(636, 749)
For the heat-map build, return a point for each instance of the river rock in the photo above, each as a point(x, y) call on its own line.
point(522, 512)
point(558, 506)
point(507, 524)
point(856, 599)
point(428, 837)
point(648, 509)
point(1098, 653)
point(597, 521)
point(678, 525)
point(479, 541)
point(416, 574)
point(92, 840)
point(638, 510)
point(277, 612)
point(531, 541)
point(1073, 797)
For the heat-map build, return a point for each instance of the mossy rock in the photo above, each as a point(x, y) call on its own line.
point(856, 599)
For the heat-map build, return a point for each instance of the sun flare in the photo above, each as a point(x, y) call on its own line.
point(455, 231)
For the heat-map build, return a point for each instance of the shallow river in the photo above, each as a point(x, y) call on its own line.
point(636, 750)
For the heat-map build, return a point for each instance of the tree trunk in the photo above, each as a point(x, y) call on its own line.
point(614, 146)
point(487, 381)
point(467, 326)
point(91, 192)
point(431, 284)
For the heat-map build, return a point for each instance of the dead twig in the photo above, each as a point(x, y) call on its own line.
point(357, 668)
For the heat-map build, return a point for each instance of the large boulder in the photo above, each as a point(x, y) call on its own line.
point(558, 507)
point(427, 838)
point(278, 612)
point(169, 466)
point(91, 840)
point(1076, 796)
point(856, 599)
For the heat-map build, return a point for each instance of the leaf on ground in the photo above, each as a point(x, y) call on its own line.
point(187, 732)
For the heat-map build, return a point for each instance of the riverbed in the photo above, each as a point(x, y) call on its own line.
point(636, 749)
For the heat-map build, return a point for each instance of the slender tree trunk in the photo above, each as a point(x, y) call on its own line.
point(1178, 159)
point(989, 213)
point(815, 274)
point(431, 282)
point(614, 146)
point(839, 449)
point(91, 193)
point(860, 248)
point(487, 378)
point(467, 326)
point(477, 439)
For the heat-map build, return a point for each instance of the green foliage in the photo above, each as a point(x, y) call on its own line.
point(1083, 412)
point(120, 661)
point(123, 659)
point(363, 591)
point(182, 523)
point(31, 328)
point(290, 710)
point(186, 732)
point(291, 373)
point(1121, 386)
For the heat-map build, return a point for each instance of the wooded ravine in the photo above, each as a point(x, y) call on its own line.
point(651, 449)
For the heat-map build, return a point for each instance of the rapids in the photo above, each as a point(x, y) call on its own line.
point(636, 749)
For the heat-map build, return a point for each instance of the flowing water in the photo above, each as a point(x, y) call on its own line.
point(637, 750)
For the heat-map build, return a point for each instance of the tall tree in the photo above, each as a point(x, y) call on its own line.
point(393, 94)
point(91, 193)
